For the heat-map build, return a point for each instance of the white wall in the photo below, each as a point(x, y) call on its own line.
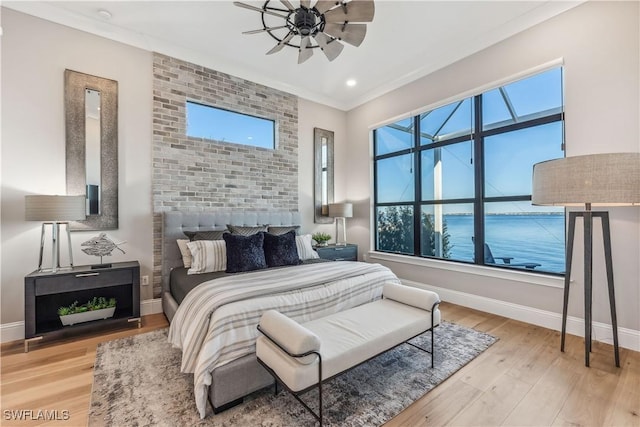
point(599, 43)
point(313, 115)
point(35, 54)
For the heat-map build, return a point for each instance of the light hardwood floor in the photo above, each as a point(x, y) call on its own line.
point(523, 379)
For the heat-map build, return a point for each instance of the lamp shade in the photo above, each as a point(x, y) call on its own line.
point(598, 179)
point(54, 208)
point(340, 210)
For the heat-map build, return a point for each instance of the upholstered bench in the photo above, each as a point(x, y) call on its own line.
point(303, 356)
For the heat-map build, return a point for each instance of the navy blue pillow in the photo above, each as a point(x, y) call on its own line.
point(281, 249)
point(244, 253)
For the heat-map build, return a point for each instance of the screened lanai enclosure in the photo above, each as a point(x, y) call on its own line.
point(454, 182)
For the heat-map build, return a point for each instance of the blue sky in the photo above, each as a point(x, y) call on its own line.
point(228, 126)
point(509, 158)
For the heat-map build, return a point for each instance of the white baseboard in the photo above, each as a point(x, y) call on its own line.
point(15, 331)
point(151, 306)
point(628, 338)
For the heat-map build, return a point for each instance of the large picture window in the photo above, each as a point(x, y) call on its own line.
point(455, 182)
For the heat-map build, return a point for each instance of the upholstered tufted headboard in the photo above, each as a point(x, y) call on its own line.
point(175, 223)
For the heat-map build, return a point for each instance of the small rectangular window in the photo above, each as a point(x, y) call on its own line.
point(217, 124)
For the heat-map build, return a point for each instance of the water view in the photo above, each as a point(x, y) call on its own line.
point(525, 237)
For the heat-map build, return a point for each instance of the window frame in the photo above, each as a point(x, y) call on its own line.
point(274, 132)
point(477, 135)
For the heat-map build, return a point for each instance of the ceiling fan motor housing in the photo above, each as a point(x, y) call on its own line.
point(305, 21)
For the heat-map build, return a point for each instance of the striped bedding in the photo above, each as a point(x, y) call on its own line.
point(216, 322)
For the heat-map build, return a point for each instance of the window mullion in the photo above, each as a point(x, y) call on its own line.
point(417, 172)
point(376, 237)
point(478, 149)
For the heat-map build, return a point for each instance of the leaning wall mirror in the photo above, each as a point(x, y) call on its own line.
point(91, 119)
point(323, 174)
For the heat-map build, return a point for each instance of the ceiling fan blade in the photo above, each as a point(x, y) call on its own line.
point(330, 48)
point(262, 30)
point(305, 52)
point(354, 11)
point(257, 9)
point(323, 5)
point(287, 4)
point(281, 44)
point(305, 3)
point(349, 33)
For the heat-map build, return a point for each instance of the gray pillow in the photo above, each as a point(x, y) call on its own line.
point(282, 229)
point(205, 235)
point(245, 230)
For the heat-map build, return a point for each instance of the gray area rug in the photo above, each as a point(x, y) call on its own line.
point(137, 382)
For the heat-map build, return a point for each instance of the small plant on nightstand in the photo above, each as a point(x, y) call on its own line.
point(97, 308)
point(321, 238)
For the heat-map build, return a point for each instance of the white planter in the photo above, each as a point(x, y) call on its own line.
point(87, 316)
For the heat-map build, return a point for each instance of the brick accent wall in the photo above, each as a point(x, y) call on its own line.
point(196, 174)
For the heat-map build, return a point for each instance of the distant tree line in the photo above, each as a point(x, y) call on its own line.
point(395, 232)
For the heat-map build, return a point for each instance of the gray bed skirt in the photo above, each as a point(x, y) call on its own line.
point(232, 381)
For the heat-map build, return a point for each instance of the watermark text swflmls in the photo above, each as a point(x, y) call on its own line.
point(36, 414)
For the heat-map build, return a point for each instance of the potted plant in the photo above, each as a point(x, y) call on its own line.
point(97, 308)
point(321, 238)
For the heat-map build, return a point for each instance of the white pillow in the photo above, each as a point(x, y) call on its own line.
point(185, 252)
point(305, 250)
point(207, 256)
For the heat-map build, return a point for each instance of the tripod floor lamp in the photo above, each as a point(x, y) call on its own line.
point(54, 211)
point(589, 181)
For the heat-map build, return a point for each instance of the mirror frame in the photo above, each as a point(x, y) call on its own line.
point(75, 84)
point(321, 212)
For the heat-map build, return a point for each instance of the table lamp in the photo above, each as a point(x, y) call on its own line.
point(340, 211)
point(54, 211)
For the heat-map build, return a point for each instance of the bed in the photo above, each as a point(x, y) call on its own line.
point(222, 358)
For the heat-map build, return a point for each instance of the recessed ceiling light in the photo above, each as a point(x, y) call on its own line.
point(351, 82)
point(104, 14)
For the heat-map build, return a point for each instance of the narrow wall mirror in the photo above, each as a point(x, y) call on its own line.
point(323, 174)
point(91, 119)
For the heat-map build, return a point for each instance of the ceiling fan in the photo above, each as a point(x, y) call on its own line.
point(322, 26)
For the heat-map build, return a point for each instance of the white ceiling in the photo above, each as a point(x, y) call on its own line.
point(405, 41)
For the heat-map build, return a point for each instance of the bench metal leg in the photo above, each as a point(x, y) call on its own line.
point(320, 390)
point(433, 354)
point(425, 350)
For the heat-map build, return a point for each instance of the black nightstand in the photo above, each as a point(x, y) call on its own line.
point(45, 292)
point(338, 253)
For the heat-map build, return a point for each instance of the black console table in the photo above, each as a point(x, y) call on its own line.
point(45, 292)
